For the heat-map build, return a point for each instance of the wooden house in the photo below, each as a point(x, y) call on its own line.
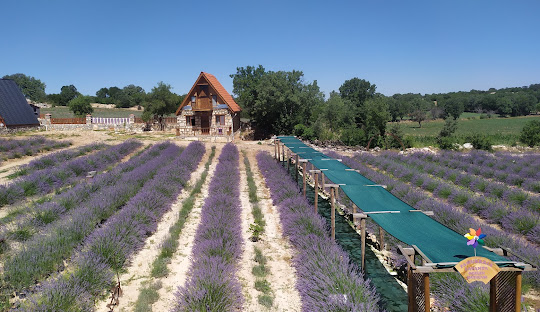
point(208, 110)
point(14, 110)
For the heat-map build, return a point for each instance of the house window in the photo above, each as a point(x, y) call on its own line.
point(220, 120)
point(193, 98)
point(214, 100)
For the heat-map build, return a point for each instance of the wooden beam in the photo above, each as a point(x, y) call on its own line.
point(296, 166)
point(363, 239)
point(316, 172)
point(427, 303)
point(493, 294)
point(288, 161)
point(304, 173)
point(332, 214)
point(426, 259)
point(381, 238)
point(518, 291)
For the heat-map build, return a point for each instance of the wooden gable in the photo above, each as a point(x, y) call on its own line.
point(205, 93)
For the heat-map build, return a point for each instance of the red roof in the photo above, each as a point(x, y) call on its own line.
point(214, 83)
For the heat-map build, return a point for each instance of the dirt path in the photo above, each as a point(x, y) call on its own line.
point(180, 262)
point(140, 268)
point(275, 247)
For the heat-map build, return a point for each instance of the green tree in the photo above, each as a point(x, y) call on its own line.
point(67, 93)
point(419, 109)
point(31, 87)
point(530, 134)
point(275, 101)
point(454, 107)
point(80, 105)
point(444, 139)
point(132, 95)
point(159, 102)
point(377, 117)
point(245, 86)
point(357, 91)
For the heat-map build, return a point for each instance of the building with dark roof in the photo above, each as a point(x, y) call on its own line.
point(208, 109)
point(14, 110)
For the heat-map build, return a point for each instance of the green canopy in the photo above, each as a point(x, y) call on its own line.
point(439, 243)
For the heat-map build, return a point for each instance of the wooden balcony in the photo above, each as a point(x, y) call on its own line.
point(202, 104)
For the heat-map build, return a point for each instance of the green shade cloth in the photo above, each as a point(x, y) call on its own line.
point(436, 241)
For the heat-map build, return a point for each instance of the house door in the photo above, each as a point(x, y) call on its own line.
point(205, 123)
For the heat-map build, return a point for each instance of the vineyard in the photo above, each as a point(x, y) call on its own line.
point(176, 226)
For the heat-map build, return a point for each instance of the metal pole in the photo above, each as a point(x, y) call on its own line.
point(427, 302)
point(316, 191)
point(363, 237)
point(332, 214)
point(304, 176)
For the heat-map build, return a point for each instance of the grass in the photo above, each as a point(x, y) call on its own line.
point(499, 130)
point(170, 245)
point(148, 296)
point(260, 271)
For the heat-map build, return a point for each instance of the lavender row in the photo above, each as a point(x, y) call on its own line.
point(212, 282)
point(44, 254)
point(511, 218)
point(26, 147)
point(326, 278)
point(44, 181)
point(53, 159)
point(450, 216)
point(496, 190)
point(106, 251)
point(504, 169)
point(35, 216)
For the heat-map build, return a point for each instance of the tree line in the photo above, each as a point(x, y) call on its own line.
point(282, 102)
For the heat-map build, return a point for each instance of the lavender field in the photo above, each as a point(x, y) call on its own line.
point(151, 222)
point(497, 192)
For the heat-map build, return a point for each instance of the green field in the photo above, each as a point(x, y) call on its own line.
point(499, 130)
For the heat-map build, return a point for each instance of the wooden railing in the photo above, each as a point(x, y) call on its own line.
point(68, 121)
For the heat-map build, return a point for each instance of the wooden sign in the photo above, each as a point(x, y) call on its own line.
point(477, 269)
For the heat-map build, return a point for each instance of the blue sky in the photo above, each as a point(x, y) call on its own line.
point(401, 46)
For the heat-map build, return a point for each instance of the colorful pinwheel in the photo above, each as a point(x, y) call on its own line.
point(475, 238)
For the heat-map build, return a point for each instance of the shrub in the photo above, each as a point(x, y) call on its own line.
point(353, 136)
point(530, 134)
point(481, 142)
point(300, 130)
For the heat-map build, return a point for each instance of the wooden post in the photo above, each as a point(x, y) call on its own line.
point(411, 285)
point(427, 302)
point(278, 158)
point(333, 214)
point(283, 152)
point(363, 238)
point(296, 166)
point(275, 149)
point(304, 173)
point(316, 191)
point(381, 239)
point(493, 294)
point(322, 180)
point(288, 169)
point(518, 291)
